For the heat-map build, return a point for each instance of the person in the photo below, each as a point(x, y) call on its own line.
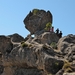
point(57, 31)
point(52, 29)
point(60, 34)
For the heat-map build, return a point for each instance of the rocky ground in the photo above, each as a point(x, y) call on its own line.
point(43, 54)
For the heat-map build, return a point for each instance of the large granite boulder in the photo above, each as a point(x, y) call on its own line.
point(36, 20)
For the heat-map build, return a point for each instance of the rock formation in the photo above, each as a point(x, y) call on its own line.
point(32, 57)
point(5, 44)
point(36, 20)
point(43, 54)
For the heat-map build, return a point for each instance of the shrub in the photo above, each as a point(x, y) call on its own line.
point(23, 44)
point(53, 45)
point(35, 11)
point(48, 26)
point(56, 63)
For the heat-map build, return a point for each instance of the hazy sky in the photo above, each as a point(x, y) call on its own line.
point(13, 12)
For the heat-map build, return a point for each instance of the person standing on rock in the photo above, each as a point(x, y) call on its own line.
point(57, 31)
point(52, 29)
point(60, 34)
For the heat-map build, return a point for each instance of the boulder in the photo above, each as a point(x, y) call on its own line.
point(33, 71)
point(36, 20)
point(1, 69)
point(5, 44)
point(69, 73)
point(45, 38)
point(49, 37)
point(66, 45)
point(16, 37)
point(66, 42)
point(37, 56)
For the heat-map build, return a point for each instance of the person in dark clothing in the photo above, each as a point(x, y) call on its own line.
point(60, 34)
point(57, 31)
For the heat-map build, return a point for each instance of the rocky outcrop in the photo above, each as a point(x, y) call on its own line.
point(16, 38)
point(49, 37)
point(29, 72)
point(5, 44)
point(44, 38)
point(69, 73)
point(36, 20)
point(32, 57)
point(43, 54)
point(67, 47)
point(37, 56)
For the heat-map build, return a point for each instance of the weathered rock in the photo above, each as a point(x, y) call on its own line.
point(66, 42)
point(38, 56)
point(5, 44)
point(22, 71)
point(16, 37)
point(46, 37)
point(53, 65)
point(69, 74)
point(60, 72)
point(36, 20)
point(1, 69)
point(49, 37)
point(67, 47)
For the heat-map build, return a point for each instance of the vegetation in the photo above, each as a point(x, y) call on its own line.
point(34, 11)
point(56, 63)
point(53, 45)
point(48, 26)
point(23, 44)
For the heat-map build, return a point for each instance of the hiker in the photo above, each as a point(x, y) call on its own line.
point(60, 34)
point(57, 31)
point(52, 29)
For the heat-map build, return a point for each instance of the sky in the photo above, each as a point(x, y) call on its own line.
point(13, 12)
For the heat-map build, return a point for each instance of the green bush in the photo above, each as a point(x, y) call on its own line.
point(48, 26)
point(53, 45)
point(23, 44)
point(35, 11)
